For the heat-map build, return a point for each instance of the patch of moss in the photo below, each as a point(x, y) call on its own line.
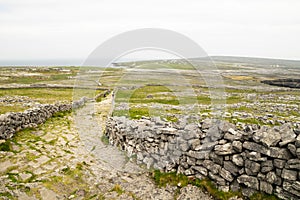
point(6, 146)
point(105, 139)
point(7, 194)
point(118, 189)
point(180, 180)
point(263, 196)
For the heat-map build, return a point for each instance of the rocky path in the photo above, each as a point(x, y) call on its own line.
point(65, 159)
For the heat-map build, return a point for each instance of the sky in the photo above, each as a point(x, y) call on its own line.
point(72, 29)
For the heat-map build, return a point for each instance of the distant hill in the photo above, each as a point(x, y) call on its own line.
point(257, 61)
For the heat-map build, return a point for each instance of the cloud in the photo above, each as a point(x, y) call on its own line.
point(72, 29)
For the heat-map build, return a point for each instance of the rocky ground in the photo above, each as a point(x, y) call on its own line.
point(57, 161)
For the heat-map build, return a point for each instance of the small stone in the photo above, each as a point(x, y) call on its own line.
point(25, 176)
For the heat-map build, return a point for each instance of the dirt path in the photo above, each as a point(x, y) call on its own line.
point(57, 161)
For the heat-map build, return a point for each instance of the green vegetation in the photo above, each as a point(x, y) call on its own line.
point(118, 189)
point(180, 180)
point(70, 179)
point(13, 108)
point(5, 146)
point(104, 139)
point(153, 94)
point(42, 95)
point(23, 75)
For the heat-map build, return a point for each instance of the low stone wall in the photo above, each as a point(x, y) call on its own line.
point(251, 158)
point(12, 122)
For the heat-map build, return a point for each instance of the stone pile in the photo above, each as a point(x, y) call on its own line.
point(265, 159)
point(12, 122)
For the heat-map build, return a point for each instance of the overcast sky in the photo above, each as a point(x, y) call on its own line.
point(72, 29)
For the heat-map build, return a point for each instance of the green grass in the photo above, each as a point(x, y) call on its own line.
point(180, 180)
point(118, 189)
point(42, 95)
point(70, 179)
point(137, 113)
point(105, 139)
point(154, 94)
point(15, 108)
point(263, 196)
point(6, 146)
point(42, 74)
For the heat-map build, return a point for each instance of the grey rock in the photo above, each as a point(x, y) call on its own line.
point(248, 192)
point(226, 175)
point(293, 164)
point(289, 174)
point(252, 168)
point(215, 158)
point(238, 160)
point(287, 134)
point(266, 187)
point(249, 181)
point(184, 146)
point(256, 147)
point(203, 171)
point(298, 152)
point(290, 187)
point(233, 137)
point(266, 166)
point(268, 137)
point(279, 163)
point(219, 180)
point(292, 148)
point(231, 167)
point(237, 146)
point(211, 166)
point(198, 154)
point(225, 149)
point(235, 186)
point(297, 143)
point(194, 143)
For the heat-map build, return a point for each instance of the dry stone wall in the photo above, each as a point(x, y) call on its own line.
point(12, 122)
point(251, 158)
